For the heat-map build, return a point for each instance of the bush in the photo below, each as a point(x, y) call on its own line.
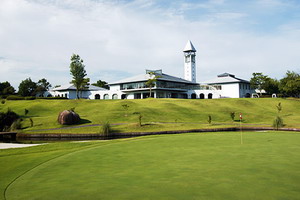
point(51, 98)
point(105, 129)
point(3, 101)
point(31, 122)
point(16, 125)
point(7, 119)
point(209, 119)
point(278, 123)
point(14, 97)
point(232, 115)
point(30, 98)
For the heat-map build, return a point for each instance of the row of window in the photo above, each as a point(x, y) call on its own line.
point(201, 96)
point(245, 86)
point(106, 96)
point(158, 84)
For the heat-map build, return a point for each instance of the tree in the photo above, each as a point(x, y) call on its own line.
point(78, 73)
point(290, 84)
point(257, 81)
point(102, 84)
point(42, 86)
point(6, 88)
point(151, 81)
point(27, 88)
point(263, 82)
point(271, 86)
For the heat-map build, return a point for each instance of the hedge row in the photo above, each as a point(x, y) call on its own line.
point(15, 97)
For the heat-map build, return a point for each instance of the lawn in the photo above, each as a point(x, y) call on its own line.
point(180, 114)
point(183, 166)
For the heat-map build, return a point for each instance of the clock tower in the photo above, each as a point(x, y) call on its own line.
point(189, 62)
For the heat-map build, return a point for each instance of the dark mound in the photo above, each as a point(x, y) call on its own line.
point(68, 117)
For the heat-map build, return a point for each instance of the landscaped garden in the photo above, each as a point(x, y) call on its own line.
point(155, 114)
point(181, 166)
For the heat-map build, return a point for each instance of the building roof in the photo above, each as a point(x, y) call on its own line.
point(226, 78)
point(147, 76)
point(189, 47)
point(72, 87)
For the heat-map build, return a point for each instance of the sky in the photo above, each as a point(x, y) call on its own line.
point(121, 38)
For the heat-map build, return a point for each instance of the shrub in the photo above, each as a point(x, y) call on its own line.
point(26, 111)
point(16, 125)
point(14, 97)
point(30, 98)
point(3, 101)
point(51, 98)
point(279, 107)
point(232, 115)
point(105, 129)
point(7, 119)
point(278, 123)
point(31, 122)
point(209, 119)
point(140, 120)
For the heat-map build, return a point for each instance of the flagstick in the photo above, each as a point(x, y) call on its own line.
point(241, 131)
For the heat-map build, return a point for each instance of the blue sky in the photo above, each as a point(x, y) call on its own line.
point(121, 38)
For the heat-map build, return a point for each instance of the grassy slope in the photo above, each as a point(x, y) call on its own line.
point(255, 111)
point(187, 166)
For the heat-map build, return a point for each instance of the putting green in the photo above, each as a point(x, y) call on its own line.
point(186, 166)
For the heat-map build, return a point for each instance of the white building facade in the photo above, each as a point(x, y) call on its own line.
point(166, 86)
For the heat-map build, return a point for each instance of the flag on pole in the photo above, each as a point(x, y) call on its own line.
point(241, 116)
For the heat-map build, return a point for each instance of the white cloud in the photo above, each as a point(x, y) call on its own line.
point(118, 39)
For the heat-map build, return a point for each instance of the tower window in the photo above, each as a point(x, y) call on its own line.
point(187, 59)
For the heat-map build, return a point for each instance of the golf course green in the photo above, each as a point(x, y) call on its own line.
point(181, 166)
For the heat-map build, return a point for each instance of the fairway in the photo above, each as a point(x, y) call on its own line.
point(184, 166)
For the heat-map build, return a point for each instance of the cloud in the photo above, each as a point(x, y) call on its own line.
point(117, 39)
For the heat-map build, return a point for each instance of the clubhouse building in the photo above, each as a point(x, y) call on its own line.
point(166, 86)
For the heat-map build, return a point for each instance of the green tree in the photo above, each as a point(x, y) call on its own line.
point(271, 86)
point(78, 74)
point(257, 81)
point(102, 84)
point(151, 81)
point(290, 84)
point(27, 88)
point(42, 86)
point(6, 88)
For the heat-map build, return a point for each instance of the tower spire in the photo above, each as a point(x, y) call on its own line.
point(189, 62)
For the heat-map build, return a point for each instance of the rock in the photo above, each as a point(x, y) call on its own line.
point(68, 117)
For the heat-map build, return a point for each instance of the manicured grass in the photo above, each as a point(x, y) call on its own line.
point(184, 166)
point(260, 112)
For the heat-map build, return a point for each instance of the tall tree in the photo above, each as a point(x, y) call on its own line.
point(290, 84)
point(27, 88)
point(151, 81)
point(271, 86)
point(42, 86)
point(257, 81)
point(6, 88)
point(102, 84)
point(78, 74)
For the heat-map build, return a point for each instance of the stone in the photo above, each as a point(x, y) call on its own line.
point(68, 117)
